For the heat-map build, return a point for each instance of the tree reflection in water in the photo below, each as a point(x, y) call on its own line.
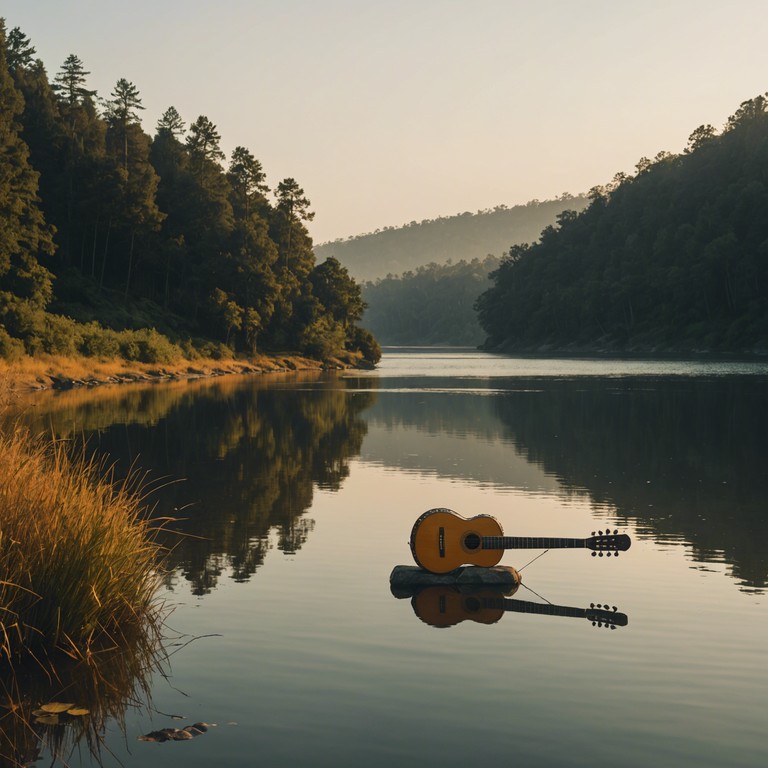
point(233, 459)
point(683, 458)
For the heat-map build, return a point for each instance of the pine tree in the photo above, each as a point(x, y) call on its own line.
point(24, 235)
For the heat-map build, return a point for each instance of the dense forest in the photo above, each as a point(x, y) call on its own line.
point(465, 236)
point(117, 243)
point(433, 305)
point(671, 258)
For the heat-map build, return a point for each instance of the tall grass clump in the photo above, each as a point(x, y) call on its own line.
point(79, 565)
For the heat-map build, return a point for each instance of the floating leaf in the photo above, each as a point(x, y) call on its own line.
point(78, 711)
point(56, 707)
point(48, 720)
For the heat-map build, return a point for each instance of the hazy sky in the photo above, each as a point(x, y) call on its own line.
point(386, 111)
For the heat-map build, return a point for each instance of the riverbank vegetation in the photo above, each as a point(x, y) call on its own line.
point(120, 245)
point(671, 258)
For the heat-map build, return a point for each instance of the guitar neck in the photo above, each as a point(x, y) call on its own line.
point(524, 606)
point(531, 542)
point(600, 616)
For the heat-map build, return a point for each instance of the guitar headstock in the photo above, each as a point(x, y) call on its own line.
point(607, 543)
point(605, 616)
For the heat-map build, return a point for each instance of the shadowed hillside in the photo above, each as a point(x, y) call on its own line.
point(467, 236)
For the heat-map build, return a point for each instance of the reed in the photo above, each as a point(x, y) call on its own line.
point(79, 564)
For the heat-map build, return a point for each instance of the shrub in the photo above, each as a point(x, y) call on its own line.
point(99, 342)
point(10, 349)
point(148, 346)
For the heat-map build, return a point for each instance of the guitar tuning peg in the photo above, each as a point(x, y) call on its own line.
point(613, 626)
point(600, 553)
point(591, 605)
point(593, 533)
point(594, 623)
point(600, 532)
point(615, 554)
point(599, 605)
point(594, 553)
point(614, 608)
point(615, 531)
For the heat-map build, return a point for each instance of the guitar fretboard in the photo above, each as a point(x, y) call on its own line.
point(531, 542)
point(524, 606)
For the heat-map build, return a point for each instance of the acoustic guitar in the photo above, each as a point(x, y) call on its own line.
point(441, 540)
point(446, 606)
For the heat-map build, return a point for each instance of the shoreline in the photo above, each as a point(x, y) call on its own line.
point(32, 374)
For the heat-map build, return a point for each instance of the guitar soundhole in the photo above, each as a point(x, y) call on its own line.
point(472, 604)
point(472, 541)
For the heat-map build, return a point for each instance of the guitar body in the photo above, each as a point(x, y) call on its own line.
point(444, 607)
point(441, 540)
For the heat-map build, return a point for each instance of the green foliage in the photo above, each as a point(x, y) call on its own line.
point(10, 349)
point(365, 342)
point(338, 293)
point(674, 258)
point(144, 232)
point(25, 237)
point(324, 338)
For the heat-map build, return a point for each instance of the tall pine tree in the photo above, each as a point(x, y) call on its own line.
point(24, 234)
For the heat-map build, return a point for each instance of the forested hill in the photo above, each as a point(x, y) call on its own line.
point(109, 235)
point(465, 236)
point(434, 305)
point(672, 258)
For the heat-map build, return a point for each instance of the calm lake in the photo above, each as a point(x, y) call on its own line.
point(296, 494)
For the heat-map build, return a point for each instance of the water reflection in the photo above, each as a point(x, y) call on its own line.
point(249, 454)
point(57, 706)
point(683, 458)
point(445, 606)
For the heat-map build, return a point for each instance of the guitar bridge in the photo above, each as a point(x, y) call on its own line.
point(441, 541)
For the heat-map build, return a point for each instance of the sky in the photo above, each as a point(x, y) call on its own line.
point(391, 111)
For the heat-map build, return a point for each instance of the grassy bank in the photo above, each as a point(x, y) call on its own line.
point(78, 563)
point(46, 371)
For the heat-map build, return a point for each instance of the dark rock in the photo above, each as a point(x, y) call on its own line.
point(405, 578)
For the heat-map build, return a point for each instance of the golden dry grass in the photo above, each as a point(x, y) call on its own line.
point(42, 371)
point(79, 567)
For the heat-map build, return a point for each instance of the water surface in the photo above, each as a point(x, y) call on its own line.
point(296, 496)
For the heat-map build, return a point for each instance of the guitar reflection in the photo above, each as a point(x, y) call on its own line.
point(445, 606)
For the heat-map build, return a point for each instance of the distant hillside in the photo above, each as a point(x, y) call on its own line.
point(674, 258)
point(432, 306)
point(465, 236)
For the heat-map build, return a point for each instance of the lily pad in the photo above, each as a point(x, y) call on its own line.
point(78, 711)
point(56, 707)
point(48, 720)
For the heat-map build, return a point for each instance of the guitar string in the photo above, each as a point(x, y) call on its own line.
point(533, 561)
point(536, 593)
